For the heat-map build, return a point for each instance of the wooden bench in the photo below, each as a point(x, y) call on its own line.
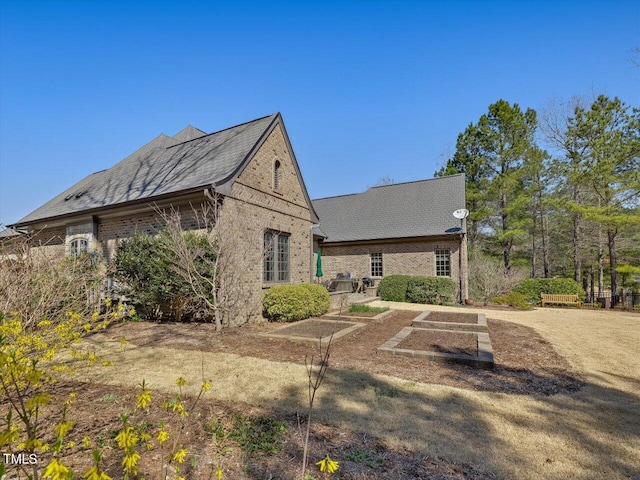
point(560, 298)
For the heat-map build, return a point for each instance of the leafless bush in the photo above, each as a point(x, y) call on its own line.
point(35, 285)
point(487, 278)
point(216, 261)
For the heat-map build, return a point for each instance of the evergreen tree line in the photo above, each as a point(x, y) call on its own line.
point(570, 209)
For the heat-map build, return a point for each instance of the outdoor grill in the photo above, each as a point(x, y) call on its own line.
point(344, 282)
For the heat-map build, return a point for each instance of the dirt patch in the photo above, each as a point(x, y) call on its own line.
point(524, 362)
point(452, 317)
point(98, 407)
point(441, 341)
point(314, 328)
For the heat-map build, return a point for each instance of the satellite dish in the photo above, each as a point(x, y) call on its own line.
point(460, 214)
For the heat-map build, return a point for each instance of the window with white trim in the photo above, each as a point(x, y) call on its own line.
point(376, 264)
point(276, 257)
point(443, 263)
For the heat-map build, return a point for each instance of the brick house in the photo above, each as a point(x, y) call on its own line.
point(251, 166)
point(405, 228)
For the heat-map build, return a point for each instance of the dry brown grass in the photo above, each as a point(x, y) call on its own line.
point(593, 433)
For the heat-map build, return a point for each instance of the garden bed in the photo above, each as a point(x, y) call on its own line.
point(360, 316)
point(453, 317)
point(525, 363)
point(469, 322)
point(440, 341)
point(314, 330)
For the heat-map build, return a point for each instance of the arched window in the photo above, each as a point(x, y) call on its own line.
point(276, 175)
point(78, 246)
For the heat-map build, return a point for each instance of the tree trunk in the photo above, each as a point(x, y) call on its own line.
point(545, 245)
point(506, 244)
point(613, 261)
point(600, 271)
point(575, 219)
point(577, 262)
point(533, 244)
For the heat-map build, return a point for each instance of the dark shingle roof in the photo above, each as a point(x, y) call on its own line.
point(189, 160)
point(413, 209)
point(8, 233)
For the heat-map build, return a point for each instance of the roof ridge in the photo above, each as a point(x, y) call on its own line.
point(189, 133)
point(392, 185)
point(416, 181)
point(220, 131)
point(336, 196)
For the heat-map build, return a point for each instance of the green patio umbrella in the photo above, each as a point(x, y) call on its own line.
point(319, 264)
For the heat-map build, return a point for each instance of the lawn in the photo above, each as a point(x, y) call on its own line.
point(562, 402)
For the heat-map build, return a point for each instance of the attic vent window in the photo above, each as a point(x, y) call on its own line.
point(276, 175)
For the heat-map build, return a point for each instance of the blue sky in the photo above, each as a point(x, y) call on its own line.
point(367, 88)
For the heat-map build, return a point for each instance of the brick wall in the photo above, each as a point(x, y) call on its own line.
point(111, 231)
point(401, 258)
point(50, 242)
point(283, 210)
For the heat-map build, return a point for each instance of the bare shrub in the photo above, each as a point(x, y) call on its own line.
point(216, 262)
point(487, 278)
point(35, 285)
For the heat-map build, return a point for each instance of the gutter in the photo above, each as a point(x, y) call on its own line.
point(114, 206)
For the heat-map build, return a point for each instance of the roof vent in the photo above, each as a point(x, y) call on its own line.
point(79, 194)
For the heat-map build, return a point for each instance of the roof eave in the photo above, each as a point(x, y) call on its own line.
point(418, 238)
point(114, 206)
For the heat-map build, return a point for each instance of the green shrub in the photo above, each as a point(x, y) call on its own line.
point(288, 303)
point(531, 288)
point(143, 273)
point(144, 269)
point(320, 301)
point(500, 300)
point(513, 299)
point(432, 290)
point(394, 288)
point(518, 300)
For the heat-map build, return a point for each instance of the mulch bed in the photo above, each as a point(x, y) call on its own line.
point(314, 328)
point(525, 363)
point(440, 341)
point(453, 317)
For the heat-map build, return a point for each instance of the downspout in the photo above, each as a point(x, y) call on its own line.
point(312, 253)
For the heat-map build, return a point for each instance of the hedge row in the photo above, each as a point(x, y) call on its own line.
point(531, 288)
point(287, 303)
point(415, 289)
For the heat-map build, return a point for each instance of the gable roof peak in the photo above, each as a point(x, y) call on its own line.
point(189, 133)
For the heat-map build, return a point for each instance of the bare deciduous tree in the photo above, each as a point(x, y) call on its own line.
point(217, 261)
point(487, 278)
